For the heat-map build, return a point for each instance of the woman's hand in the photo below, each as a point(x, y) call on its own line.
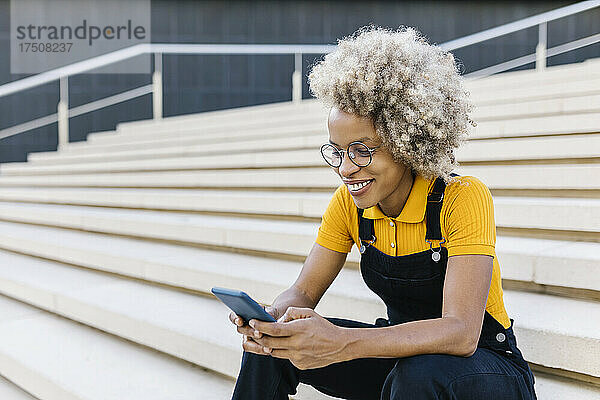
point(303, 337)
point(248, 343)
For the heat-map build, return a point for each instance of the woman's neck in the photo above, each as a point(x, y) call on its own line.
point(404, 188)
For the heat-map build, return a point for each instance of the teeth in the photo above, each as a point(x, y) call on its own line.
point(358, 186)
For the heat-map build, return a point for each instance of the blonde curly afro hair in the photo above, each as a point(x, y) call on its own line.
point(411, 90)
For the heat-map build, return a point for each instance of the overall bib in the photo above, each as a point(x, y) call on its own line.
point(411, 286)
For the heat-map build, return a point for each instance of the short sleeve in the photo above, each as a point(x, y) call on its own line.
point(469, 218)
point(333, 232)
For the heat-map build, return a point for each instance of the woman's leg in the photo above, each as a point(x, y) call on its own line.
point(484, 375)
point(269, 378)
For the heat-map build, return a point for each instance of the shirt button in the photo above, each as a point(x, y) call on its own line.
point(391, 223)
point(501, 337)
point(393, 245)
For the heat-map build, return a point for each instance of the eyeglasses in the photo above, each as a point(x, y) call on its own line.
point(359, 154)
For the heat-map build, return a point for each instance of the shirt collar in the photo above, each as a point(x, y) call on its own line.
point(414, 208)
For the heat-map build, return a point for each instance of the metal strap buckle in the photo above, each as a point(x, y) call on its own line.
point(435, 255)
point(363, 248)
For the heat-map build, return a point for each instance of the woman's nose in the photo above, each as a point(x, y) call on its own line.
point(347, 167)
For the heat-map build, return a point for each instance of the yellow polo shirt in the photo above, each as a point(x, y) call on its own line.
point(467, 223)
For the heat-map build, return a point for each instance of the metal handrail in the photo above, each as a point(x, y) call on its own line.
point(517, 62)
point(146, 48)
point(62, 74)
point(520, 24)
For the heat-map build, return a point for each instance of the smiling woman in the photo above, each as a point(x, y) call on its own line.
point(398, 111)
point(411, 92)
point(385, 181)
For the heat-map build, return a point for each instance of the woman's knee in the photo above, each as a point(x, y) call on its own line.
point(437, 376)
point(418, 377)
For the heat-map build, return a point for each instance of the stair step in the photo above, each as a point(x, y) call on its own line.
point(9, 391)
point(546, 262)
point(195, 134)
point(535, 126)
point(56, 359)
point(573, 72)
point(541, 261)
point(499, 94)
point(268, 159)
point(231, 127)
point(314, 177)
point(555, 389)
point(584, 101)
point(570, 214)
point(530, 148)
point(552, 324)
point(222, 119)
point(190, 147)
point(234, 201)
point(542, 176)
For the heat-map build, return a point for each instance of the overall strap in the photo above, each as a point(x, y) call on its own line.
point(434, 207)
point(366, 230)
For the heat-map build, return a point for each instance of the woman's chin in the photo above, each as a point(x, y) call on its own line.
point(363, 203)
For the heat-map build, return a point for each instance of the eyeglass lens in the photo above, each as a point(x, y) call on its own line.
point(358, 153)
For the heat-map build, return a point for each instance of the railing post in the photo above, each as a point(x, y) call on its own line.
point(157, 87)
point(540, 49)
point(297, 79)
point(63, 112)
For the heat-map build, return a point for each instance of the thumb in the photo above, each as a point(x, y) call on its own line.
point(272, 311)
point(293, 313)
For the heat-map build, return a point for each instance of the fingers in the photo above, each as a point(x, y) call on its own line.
point(280, 328)
point(249, 345)
point(235, 319)
point(293, 313)
point(282, 353)
point(243, 327)
point(273, 343)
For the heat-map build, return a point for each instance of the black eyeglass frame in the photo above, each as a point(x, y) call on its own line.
point(371, 150)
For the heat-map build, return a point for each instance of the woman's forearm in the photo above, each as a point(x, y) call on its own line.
point(434, 336)
point(291, 297)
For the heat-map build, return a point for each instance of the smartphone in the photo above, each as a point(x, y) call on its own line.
point(242, 304)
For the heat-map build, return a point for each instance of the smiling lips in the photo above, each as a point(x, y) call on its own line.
point(357, 187)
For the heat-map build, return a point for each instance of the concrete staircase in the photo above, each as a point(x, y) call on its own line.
point(109, 247)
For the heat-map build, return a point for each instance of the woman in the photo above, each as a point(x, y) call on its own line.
point(397, 112)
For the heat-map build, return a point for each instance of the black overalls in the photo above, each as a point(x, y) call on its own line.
point(411, 286)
